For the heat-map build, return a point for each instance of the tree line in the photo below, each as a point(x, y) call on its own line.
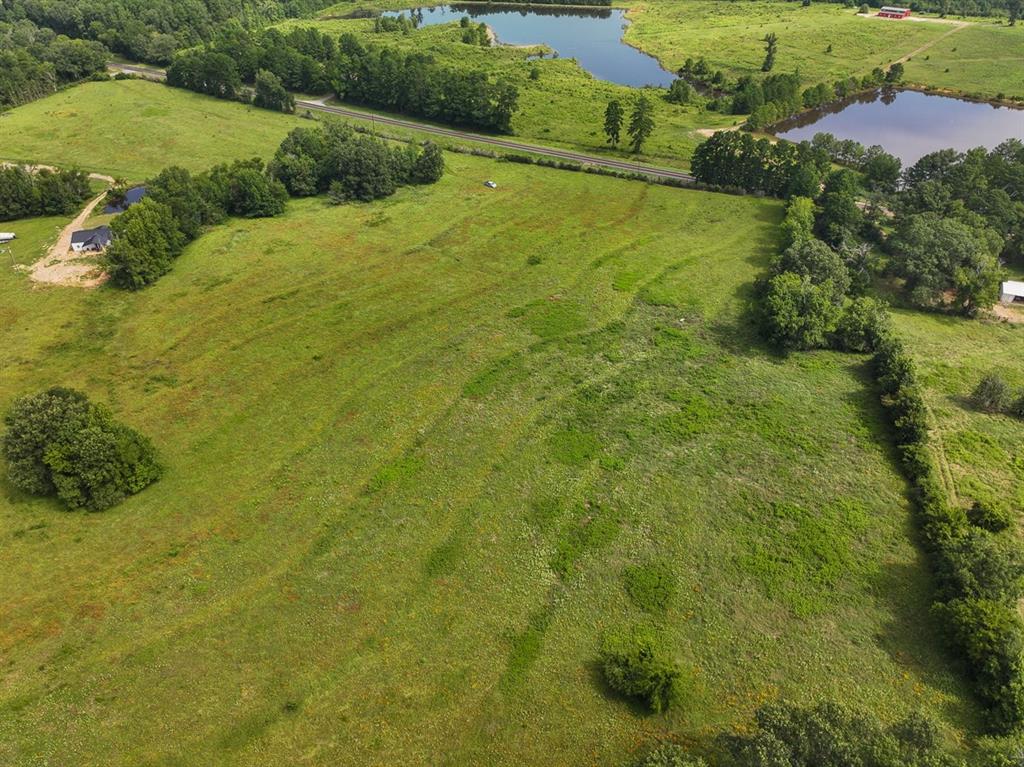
point(333, 159)
point(151, 30)
point(36, 62)
point(943, 225)
point(24, 194)
point(773, 97)
point(309, 61)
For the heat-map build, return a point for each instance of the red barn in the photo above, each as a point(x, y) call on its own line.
point(889, 12)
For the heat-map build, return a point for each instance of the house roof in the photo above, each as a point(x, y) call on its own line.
point(100, 237)
point(131, 197)
point(893, 9)
point(1013, 288)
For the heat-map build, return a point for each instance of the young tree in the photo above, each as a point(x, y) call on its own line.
point(635, 664)
point(613, 117)
point(771, 44)
point(798, 225)
point(271, 94)
point(840, 217)
point(641, 123)
point(798, 314)
point(146, 239)
point(680, 92)
point(429, 165)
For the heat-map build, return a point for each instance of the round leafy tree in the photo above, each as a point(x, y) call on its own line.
point(57, 442)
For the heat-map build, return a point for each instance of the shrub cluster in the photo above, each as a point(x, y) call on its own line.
point(336, 159)
point(152, 233)
point(833, 735)
point(783, 169)
point(635, 664)
point(994, 395)
point(59, 443)
point(44, 193)
point(978, 568)
point(309, 61)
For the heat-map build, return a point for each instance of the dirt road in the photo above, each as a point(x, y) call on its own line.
point(61, 266)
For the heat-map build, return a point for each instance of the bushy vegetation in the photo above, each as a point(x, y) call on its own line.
point(42, 193)
point(636, 664)
point(806, 303)
point(783, 169)
point(335, 158)
point(59, 443)
point(306, 60)
point(834, 735)
point(35, 62)
point(994, 395)
point(151, 234)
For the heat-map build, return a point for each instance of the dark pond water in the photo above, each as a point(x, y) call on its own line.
point(909, 124)
point(591, 36)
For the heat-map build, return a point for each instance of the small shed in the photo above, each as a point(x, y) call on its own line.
point(892, 12)
point(1011, 291)
point(90, 240)
point(131, 197)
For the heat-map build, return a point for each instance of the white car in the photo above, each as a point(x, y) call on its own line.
point(490, 185)
point(7, 236)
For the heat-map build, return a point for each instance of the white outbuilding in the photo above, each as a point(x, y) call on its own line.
point(1011, 291)
point(7, 236)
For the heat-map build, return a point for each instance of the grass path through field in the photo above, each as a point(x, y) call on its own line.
point(905, 58)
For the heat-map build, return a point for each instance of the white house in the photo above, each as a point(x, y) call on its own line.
point(90, 240)
point(1011, 291)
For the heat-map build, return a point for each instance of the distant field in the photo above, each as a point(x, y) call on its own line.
point(134, 128)
point(730, 36)
point(564, 107)
point(984, 60)
point(407, 467)
point(982, 455)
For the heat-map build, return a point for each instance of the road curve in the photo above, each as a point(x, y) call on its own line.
point(621, 166)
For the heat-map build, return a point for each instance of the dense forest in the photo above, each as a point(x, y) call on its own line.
point(150, 30)
point(35, 62)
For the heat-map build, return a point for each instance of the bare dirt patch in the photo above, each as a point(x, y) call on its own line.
point(1010, 313)
point(62, 266)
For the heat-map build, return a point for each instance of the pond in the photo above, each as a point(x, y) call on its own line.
point(592, 36)
point(910, 124)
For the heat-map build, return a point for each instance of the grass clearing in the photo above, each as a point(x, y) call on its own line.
point(133, 129)
point(981, 455)
point(985, 60)
point(404, 482)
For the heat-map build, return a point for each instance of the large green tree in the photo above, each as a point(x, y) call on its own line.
point(945, 262)
point(146, 239)
point(641, 123)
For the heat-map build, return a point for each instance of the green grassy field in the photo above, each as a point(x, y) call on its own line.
point(983, 60)
point(411, 448)
point(134, 128)
point(981, 455)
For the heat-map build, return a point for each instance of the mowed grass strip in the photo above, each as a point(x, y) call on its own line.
point(412, 447)
point(981, 455)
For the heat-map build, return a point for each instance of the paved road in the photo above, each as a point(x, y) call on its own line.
point(557, 154)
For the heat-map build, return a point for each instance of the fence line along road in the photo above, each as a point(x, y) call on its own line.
point(623, 166)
